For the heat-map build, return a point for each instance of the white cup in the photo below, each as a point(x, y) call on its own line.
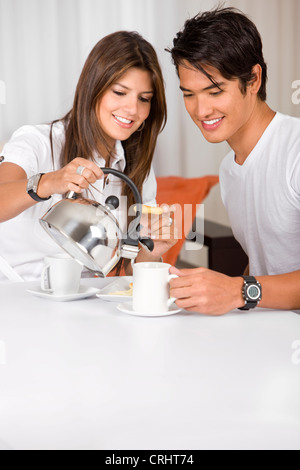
point(61, 275)
point(151, 290)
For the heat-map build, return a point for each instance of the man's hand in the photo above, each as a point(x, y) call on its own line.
point(205, 291)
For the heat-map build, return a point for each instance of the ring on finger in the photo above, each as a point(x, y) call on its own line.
point(80, 170)
point(170, 221)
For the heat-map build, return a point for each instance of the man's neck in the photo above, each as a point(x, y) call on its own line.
point(246, 139)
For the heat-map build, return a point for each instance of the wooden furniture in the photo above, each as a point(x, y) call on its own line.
point(225, 254)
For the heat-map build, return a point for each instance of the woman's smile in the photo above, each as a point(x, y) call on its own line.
point(123, 122)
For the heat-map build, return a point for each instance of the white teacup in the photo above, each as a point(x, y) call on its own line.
point(61, 275)
point(151, 289)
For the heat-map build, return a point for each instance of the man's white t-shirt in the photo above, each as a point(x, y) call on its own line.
point(262, 198)
point(24, 243)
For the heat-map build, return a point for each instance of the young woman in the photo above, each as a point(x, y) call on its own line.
point(118, 111)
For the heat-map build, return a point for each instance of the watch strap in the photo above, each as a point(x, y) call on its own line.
point(250, 279)
point(32, 193)
point(249, 305)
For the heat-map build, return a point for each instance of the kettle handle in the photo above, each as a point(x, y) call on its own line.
point(119, 174)
point(130, 183)
point(133, 236)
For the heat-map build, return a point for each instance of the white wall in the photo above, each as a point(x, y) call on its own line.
point(43, 45)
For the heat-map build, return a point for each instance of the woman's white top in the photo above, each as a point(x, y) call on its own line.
point(24, 243)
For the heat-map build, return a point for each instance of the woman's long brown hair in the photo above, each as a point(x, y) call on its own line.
point(108, 61)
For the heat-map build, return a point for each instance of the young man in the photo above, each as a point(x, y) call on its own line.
point(222, 72)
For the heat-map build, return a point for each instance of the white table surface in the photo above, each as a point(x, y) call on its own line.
point(82, 375)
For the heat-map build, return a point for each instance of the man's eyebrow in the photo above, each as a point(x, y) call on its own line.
point(210, 87)
point(185, 89)
point(214, 85)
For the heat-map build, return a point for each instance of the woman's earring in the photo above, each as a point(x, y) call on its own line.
point(141, 128)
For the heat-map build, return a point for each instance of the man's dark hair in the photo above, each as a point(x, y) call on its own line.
point(225, 39)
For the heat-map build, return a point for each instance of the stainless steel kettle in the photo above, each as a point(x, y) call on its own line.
point(90, 233)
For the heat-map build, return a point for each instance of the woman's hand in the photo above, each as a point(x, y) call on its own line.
point(69, 178)
point(162, 230)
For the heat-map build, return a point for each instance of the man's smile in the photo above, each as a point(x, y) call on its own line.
point(212, 124)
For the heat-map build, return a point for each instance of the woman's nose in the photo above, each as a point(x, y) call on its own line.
point(131, 106)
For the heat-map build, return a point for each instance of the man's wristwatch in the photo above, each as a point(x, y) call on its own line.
point(252, 292)
point(32, 187)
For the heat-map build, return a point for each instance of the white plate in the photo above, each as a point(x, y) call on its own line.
point(118, 285)
point(127, 308)
point(83, 293)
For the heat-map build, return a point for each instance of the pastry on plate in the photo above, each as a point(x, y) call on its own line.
point(125, 293)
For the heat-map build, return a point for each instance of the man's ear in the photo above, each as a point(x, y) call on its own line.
point(255, 84)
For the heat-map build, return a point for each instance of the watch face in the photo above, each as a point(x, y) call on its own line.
point(33, 182)
point(253, 292)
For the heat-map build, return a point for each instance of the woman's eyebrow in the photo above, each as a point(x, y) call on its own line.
point(126, 88)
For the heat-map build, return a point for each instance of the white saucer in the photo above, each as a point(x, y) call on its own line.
point(126, 307)
point(83, 293)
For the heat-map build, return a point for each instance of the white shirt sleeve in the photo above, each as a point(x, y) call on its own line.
point(29, 147)
point(149, 190)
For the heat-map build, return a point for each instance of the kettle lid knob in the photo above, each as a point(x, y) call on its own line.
point(112, 202)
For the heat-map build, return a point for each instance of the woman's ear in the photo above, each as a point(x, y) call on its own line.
point(255, 84)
